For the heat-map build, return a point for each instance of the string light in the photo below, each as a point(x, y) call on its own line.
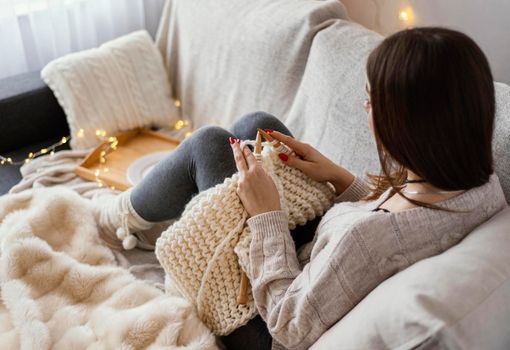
point(181, 123)
point(406, 15)
point(32, 155)
point(110, 145)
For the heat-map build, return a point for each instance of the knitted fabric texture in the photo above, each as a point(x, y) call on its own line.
point(202, 252)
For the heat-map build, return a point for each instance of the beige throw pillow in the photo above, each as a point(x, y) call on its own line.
point(119, 86)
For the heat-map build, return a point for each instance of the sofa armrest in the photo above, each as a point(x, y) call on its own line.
point(29, 113)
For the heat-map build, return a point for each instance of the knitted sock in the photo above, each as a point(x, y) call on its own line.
point(118, 220)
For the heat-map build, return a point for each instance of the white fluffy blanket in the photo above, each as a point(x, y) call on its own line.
point(62, 288)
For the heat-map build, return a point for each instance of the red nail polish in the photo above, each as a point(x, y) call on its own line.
point(231, 140)
point(268, 130)
point(238, 141)
point(283, 156)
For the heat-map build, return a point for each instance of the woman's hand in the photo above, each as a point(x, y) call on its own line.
point(314, 164)
point(255, 188)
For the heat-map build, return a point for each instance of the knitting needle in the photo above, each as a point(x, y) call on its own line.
point(243, 289)
point(258, 146)
point(277, 145)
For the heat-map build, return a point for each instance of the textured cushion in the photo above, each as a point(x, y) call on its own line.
point(119, 86)
point(328, 109)
point(226, 58)
point(435, 302)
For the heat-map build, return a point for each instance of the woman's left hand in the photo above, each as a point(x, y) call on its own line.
point(255, 188)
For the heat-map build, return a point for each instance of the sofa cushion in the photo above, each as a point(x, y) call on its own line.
point(119, 86)
point(227, 58)
point(436, 301)
point(328, 109)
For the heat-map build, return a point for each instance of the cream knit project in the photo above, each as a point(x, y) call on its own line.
point(199, 252)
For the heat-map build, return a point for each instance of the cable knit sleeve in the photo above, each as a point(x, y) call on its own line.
point(355, 192)
point(299, 305)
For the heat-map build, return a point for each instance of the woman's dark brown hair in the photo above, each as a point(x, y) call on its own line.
point(433, 107)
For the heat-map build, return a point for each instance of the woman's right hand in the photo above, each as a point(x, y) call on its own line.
point(314, 164)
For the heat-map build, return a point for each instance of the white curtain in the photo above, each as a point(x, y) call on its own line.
point(34, 32)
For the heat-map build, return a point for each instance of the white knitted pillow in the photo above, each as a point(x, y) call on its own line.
point(119, 86)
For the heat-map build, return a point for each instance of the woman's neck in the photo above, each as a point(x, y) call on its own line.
point(425, 189)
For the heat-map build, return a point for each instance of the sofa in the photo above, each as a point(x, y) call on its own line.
point(304, 61)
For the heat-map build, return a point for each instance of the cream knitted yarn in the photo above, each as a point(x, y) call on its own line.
point(197, 251)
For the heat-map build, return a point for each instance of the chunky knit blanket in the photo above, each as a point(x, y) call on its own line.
point(205, 251)
point(62, 289)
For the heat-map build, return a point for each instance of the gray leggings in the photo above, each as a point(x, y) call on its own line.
point(201, 161)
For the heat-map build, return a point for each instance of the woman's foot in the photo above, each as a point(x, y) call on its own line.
point(119, 222)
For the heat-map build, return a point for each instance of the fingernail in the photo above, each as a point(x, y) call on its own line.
point(238, 141)
point(268, 130)
point(231, 140)
point(283, 156)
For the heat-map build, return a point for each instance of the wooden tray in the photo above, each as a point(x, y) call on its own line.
point(131, 145)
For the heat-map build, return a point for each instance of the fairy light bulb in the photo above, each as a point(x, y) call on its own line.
point(403, 16)
point(80, 133)
point(406, 15)
point(179, 124)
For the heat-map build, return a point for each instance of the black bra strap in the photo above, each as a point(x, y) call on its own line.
point(414, 181)
point(378, 209)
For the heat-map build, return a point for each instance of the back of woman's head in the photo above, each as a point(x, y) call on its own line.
point(433, 107)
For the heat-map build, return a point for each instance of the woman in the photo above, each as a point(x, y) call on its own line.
point(431, 110)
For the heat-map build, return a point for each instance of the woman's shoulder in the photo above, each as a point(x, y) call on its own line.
point(465, 211)
point(422, 231)
point(479, 203)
